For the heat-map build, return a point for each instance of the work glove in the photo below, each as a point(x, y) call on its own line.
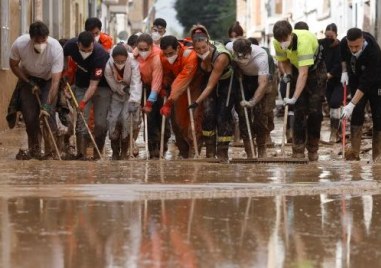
point(45, 110)
point(148, 107)
point(166, 109)
point(288, 101)
point(344, 78)
point(152, 96)
point(347, 110)
point(81, 105)
point(35, 88)
point(132, 107)
point(286, 78)
point(194, 105)
point(249, 104)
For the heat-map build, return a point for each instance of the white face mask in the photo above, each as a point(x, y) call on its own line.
point(244, 61)
point(155, 36)
point(144, 54)
point(120, 66)
point(285, 45)
point(203, 56)
point(40, 47)
point(85, 55)
point(172, 59)
point(358, 53)
point(97, 38)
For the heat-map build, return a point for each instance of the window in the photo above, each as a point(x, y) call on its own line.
point(4, 34)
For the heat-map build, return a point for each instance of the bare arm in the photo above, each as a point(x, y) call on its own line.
point(219, 66)
point(261, 90)
point(301, 82)
point(285, 67)
point(14, 64)
point(52, 97)
point(357, 97)
point(90, 90)
point(343, 66)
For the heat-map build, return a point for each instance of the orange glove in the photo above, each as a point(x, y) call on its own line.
point(81, 105)
point(148, 107)
point(166, 109)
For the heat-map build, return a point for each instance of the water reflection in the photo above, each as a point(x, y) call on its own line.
point(280, 231)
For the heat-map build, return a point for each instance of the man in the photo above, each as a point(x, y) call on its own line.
point(300, 60)
point(90, 88)
point(94, 25)
point(158, 30)
point(179, 69)
point(253, 69)
point(37, 61)
point(361, 66)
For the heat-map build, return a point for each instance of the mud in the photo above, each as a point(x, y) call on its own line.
point(167, 213)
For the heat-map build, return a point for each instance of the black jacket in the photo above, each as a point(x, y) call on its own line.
point(332, 57)
point(364, 71)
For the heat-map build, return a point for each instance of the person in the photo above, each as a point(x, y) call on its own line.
point(217, 126)
point(301, 25)
point(37, 61)
point(151, 72)
point(300, 60)
point(123, 76)
point(253, 69)
point(158, 30)
point(94, 25)
point(334, 89)
point(91, 88)
point(180, 66)
point(361, 66)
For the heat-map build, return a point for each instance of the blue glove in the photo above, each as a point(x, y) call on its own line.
point(152, 96)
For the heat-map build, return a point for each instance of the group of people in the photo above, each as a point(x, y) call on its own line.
point(192, 88)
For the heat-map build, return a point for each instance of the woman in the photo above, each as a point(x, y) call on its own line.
point(151, 72)
point(218, 120)
point(334, 89)
point(123, 76)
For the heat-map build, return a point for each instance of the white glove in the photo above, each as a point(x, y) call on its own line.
point(347, 110)
point(249, 104)
point(344, 78)
point(288, 101)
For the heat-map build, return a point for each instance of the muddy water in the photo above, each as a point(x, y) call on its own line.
point(188, 214)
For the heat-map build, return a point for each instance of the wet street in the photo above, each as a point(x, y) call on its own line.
point(173, 213)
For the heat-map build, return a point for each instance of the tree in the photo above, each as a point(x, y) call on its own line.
point(216, 15)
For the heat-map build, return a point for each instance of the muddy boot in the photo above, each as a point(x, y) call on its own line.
point(312, 148)
point(353, 153)
point(262, 152)
point(376, 146)
point(115, 146)
point(154, 150)
point(223, 151)
point(246, 145)
point(82, 144)
point(298, 151)
point(210, 145)
point(124, 149)
point(335, 122)
point(290, 128)
point(35, 152)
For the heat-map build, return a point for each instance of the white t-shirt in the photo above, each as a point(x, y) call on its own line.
point(34, 64)
point(258, 63)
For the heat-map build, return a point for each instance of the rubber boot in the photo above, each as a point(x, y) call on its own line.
point(124, 148)
point(313, 147)
point(335, 122)
point(210, 145)
point(223, 151)
point(290, 127)
point(82, 144)
point(246, 145)
point(262, 152)
point(353, 153)
point(376, 146)
point(298, 151)
point(115, 146)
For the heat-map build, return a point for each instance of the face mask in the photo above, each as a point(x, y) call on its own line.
point(358, 53)
point(120, 66)
point(330, 41)
point(285, 45)
point(172, 59)
point(155, 36)
point(40, 47)
point(97, 38)
point(85, 55)
point(243, 61)
point(203, 56)
point(144, 54)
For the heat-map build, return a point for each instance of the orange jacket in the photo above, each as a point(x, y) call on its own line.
point(181, 73)
point(106, 41)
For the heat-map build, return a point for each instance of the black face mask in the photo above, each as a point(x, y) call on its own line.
point(330, 41)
